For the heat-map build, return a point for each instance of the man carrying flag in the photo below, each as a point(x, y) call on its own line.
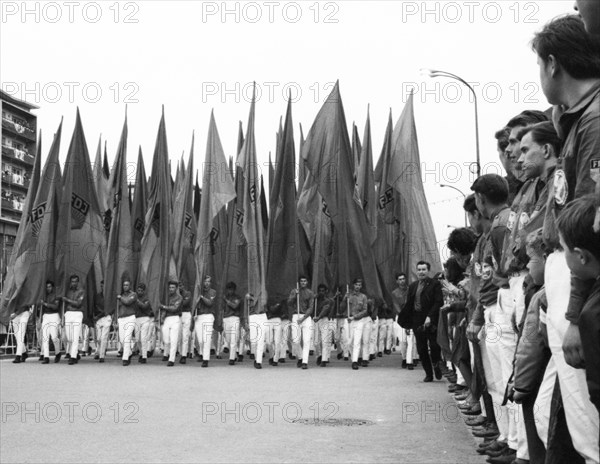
point(358, 311)
point(302, 299)
point(171, 326)
point(126, 314)
point(50, 323)
point(73, 317)
point(204, 319)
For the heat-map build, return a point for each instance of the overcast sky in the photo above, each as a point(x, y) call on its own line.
point(197, 56)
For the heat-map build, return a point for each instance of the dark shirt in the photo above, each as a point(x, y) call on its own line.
point(325, 308)
point(52, 302)
point(127, 304)
point(76, 296)
point(492, 278)
point(173, 307)
point(306, 299)
point(186, 303)
point(234, 307)
point(358, 304)
point(206, 303)
point(98, 312)
point(399, 299)
point(143, 307)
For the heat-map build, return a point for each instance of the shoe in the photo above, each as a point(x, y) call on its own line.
point(120, 354)
point(225, 350)
point(274, 363)
point(270, 361)
point(365, 364)
point(251, 355)
point(140, 359)
point(190, 356)
point(72, 361)
point(452, 379)
point(150, 353)
point(311, 353)
point(355, 366)
point(183, 360)
point(126, 362)
point(68, 356)
point(291, 356)
point(101, 360)
point(489, 431)
point(455, 388)
point(240, 358)
point(462, 395)
point(204, 364)
point(520, 461)
point(143, 360)
point(24, 356)
point(46, 361)
point(165, 358)
point(380, 354)
point(410, 367)
point(346, 358)
point(17, 360)
point(475, 410)
point(319, 360)
point(387, 351)
point(492, 446)
point(438, 373)
point(339, 356)
point(78, 357)
point(476, 421)
point(428, 379)
point(212, 351)
point(372, 357)
point(282, 360)
point(41, 357)
point(57, 357)
point(404, 364)
point(231, 362)
point(323, 364)
point(97, 357)
point(170, 364)
point(299, 363)
point(503, 457)
point(257, 365)
point(360, 360)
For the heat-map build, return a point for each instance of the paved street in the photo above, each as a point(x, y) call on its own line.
point(150, 413)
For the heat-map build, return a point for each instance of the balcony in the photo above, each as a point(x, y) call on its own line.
point(15, 154)
point(16, 180)
point(12, 205)
point(22, 130)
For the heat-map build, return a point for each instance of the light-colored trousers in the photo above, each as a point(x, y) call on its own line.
point(386, 329)
point(258, 329)
point(231, 330)
point(50, 326)
point(184, 335)
point(73, 328)
point(170, 335)
point(203, 328)
point(19, 324)
point(273, 338)
point(126, 329)
point(144, 327)
point(301, 336)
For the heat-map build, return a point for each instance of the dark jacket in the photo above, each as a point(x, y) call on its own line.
point(432, 300)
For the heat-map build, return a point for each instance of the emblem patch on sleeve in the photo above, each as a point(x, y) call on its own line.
point(595, 170)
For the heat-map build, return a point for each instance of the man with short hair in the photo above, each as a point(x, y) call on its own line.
point(126, 318)
point(171, 324)
point(73, 317)
point(569, 62)
point(50, 323)
point(143, 322)
point(232, 310)
point(358, 311)
point(301, 301)
point(423, 303)
point(205, 319)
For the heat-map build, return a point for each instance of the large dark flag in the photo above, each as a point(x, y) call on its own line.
point(25, 241)
point(81, 237)
point(120, 260)
point(328, 156)
point(405, 175)
point(185, 225)
point(217, 191)
point(249, 211)
point(156, 263)
point(365, 183)
point(138, 213)
point(284, 258)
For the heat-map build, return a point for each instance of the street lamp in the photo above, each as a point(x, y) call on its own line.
point(464, 196)
point(438, 73)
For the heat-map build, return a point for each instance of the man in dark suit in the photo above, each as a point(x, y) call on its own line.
point(423, 304)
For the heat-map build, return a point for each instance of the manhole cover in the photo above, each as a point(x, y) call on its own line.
point(334, 422)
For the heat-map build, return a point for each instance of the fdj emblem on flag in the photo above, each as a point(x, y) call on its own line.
point(214, 235)
point(35, 217)
point(79, 210)
point(324, 208)
point(253, 193)
point(239, 217)
point(188, 228)
point(155, 223)
point(386, 197)
point(139, 226)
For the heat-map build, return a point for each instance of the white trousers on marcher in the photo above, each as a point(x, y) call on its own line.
point(408, 345)
point(373, 338)
point(385, 334)
point(231, 329)
point(184, 336)
point(258, 329)
point(102, 332)
point(342, 336)
point(50, 325)
point(73, 327)
point(143, 327)
point(170, 334)
point(326, 329)
point(126, 329)
point(301, 336)
point(273, 337)
point(203, 328)
point(19, 324)
point(582, 417)
point(356, 335)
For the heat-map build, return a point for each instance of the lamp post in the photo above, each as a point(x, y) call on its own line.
point(464, 196)
point(438, 73)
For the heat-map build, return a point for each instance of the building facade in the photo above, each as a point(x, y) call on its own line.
point(19, 145)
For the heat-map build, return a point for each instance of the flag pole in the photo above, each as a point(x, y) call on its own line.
point(348, 303)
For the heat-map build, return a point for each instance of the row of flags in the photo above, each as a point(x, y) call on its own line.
point(344, 219)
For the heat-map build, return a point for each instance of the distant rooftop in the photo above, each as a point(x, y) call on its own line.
point(15, 101)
